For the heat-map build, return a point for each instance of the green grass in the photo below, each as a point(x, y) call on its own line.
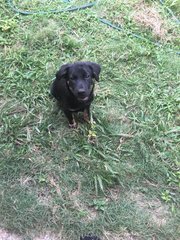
point(54, 178)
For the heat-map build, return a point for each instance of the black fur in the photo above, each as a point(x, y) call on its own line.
point(89, 237)
point(73, 88)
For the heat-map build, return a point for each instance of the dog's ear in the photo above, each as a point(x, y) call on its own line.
point(96, 69)
point(63, 71)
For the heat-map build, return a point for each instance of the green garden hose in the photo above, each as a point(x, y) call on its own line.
point(69, 9)
point(88, 5)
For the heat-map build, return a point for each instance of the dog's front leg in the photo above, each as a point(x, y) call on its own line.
point(86, 114)
point(69, 115)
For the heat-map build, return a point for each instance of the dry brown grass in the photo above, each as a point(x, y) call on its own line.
point(48, 236)
point(5, 235)
point(120, 236)
point(148, 16)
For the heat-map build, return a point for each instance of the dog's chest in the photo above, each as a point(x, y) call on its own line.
point(76, 106)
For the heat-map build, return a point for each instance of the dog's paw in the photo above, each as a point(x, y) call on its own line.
point(73, 125)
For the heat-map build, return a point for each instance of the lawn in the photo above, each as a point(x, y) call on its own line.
point(118, 177)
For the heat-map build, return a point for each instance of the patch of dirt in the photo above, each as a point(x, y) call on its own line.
point(120, 236)
point(48, 236)
point(158, 213)
point(5, 235)
point(148, 16)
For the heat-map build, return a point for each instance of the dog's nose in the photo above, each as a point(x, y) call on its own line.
point(81, 92)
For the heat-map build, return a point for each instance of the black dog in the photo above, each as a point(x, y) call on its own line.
point(73, 88)
point(89, 237)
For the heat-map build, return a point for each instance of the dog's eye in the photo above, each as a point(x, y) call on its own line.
point(73, 78)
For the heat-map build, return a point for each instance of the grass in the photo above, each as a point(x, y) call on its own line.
point(56, 179)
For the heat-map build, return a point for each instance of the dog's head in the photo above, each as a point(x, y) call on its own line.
point(79, 78)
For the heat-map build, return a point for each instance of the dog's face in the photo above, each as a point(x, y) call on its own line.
point(79, 78)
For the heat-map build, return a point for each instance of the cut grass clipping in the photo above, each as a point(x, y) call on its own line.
point(118, 178)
